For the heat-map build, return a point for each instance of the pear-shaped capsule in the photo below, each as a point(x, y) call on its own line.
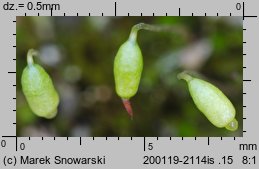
point(211, 102)
point(128, 65)
point(38, 89)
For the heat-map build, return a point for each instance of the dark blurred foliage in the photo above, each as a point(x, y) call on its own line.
point(78, 54)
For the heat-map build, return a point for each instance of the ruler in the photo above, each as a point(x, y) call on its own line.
point(129, 152)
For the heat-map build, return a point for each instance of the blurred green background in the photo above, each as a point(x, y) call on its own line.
point(78, 54)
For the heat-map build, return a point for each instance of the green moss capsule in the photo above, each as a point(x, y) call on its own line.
point(38, 89)
point(211, 102)
point(128, 65)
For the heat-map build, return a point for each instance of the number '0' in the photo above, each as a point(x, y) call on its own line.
point(238, 6)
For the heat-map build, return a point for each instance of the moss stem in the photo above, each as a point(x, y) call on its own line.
point(185, 76)
point(155, 28)
point(30, 55)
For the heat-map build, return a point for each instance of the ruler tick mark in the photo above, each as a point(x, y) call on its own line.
point(16, 141)
point(250, 16)
point(243, 11)
point(115, 6)
point(144, 143)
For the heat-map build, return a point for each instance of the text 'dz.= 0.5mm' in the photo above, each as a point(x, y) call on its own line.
point(39, 6)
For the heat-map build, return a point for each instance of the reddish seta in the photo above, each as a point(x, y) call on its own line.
point(127, 105)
